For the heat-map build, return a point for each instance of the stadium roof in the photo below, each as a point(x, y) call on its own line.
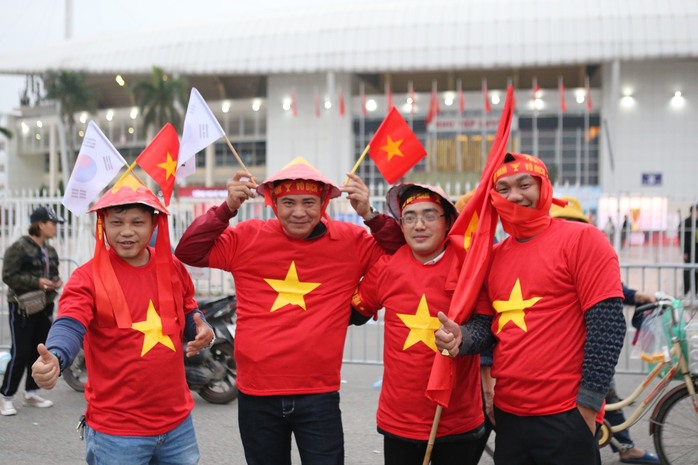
point(403, 36)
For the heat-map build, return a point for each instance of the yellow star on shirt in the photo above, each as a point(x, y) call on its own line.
point(170, 166)
point(392, 148)
point(291, 290)
point(422, 326)
point(152, 330)
point(513, 309)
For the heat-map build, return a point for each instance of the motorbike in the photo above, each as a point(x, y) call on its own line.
point(212, 372)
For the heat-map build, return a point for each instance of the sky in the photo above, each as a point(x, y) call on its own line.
point(32, 23)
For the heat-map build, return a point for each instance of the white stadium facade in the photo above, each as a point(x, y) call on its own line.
point(276, 82)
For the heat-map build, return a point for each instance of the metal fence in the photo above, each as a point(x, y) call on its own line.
point(653, 262)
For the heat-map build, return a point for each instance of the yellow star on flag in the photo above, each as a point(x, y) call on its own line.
point(422, 326)
point(127, 181)
point(291, 290)
point(470, 230)
point(392, 148)
point(152, 330)
point(513, 309)
point(170, 166)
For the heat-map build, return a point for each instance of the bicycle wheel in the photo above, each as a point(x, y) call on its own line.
point(676, 428)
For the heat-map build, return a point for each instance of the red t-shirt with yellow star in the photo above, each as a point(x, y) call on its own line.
point(136, 384)
point(538, 291)
point(293, 298)
point(413, 294)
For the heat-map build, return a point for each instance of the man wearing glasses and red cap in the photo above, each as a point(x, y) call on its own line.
point(294, 278)
point(410, 286)
point(552, 301)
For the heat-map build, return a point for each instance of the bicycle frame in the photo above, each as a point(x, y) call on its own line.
point(678, 362)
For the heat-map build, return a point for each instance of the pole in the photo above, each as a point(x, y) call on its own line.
point(432, 435)
point(358, 162)
point(232, 149)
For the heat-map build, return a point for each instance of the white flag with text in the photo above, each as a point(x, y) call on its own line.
point(201, 129)
point(97, 164)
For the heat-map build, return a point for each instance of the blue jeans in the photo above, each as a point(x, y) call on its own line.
point(177, 447)
point(267, 422)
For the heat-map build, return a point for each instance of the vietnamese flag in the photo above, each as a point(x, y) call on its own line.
point(394, 147)
point(561, 91)
point(486, 97)
point(159, 159)
point(472, 237)
point(434, 109)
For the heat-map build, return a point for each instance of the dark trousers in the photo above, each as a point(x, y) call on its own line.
point(27, 333)
point(402, 452)
point(267, 423)
point(687, 280)
point(561, 439)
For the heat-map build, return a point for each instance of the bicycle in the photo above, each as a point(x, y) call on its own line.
point(674, 420)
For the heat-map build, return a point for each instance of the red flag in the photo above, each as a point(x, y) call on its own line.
point(388, 97)
point(317, 103)
point(434, 109)
point(461, 99)
point(341, 102)
point(159, 159)
point(362, 91)
point(561, 90)
point(535, 89)
point(413, 98)
point(394, 148)
point(587, 91)
point(473, 232)
point(486, 97)
point(294, 107)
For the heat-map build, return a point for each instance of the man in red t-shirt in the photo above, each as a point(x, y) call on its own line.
point(410, 286)
point(552, 301)
point(131, 306)
point(294, 278)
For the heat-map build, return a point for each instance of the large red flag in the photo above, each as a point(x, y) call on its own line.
point(472, 236)
point(341, 102)
point(394, 147)
point(587, 92)
point(461, 99)
point(561, 91)
point(159, 159)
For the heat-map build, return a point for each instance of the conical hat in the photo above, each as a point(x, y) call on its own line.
point(298, 168)
point(573, 210)
point(393, 198)
point(129, 190)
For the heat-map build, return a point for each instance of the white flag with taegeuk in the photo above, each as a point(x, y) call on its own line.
point(97, 164)
point(201, 129)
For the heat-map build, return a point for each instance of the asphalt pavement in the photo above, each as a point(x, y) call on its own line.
point(48, 436)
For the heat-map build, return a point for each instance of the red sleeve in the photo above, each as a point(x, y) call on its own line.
point(366, 299)
point(77, 300)
point(197, 241)
point(387, 232)
point(483, 305)
point(595, 267)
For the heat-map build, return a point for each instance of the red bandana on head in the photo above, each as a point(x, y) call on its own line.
point(420, 197)
point(111, 302)
point(303, 177)
point(524, 222)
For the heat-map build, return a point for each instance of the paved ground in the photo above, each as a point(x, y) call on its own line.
point(47, 436)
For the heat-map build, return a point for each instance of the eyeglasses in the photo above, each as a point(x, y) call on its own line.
point(427, 218)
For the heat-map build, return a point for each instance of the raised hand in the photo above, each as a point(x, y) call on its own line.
point(448, 336)
point(46, 368)
point(358, 195)
point(240, 188)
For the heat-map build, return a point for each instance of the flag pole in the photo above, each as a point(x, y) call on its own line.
point(358, 162)
point(432, 435)
point(237, 157)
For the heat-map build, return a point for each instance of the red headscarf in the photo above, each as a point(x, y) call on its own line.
point(524, 222)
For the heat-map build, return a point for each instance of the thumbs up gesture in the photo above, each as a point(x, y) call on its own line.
point(204, 336)
point(46, 369)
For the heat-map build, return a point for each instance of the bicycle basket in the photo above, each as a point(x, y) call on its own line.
point(679, 330)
